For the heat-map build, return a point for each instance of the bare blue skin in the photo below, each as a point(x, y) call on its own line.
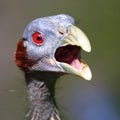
point(50, 28)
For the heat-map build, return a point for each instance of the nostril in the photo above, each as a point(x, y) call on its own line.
point(61, 32)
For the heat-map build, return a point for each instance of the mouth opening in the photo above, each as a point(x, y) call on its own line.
point(69, 54)
point(71, 57)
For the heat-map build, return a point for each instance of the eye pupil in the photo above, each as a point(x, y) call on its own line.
point(37, 38)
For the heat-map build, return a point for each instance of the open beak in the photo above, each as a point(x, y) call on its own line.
point(68, 54)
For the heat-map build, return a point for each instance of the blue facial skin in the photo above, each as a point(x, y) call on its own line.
point(52, 35)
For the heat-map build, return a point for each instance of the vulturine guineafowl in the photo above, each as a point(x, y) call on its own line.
point(49, 48)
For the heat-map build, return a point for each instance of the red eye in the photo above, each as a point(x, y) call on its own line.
point(37, 38)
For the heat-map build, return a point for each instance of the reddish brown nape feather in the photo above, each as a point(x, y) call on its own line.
point(21, 57)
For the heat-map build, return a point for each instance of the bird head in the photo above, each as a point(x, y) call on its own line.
point(53, 44)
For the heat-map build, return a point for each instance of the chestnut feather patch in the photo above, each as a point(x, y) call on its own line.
point(21, 57)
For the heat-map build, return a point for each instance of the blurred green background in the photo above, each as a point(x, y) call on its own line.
point(99, 19)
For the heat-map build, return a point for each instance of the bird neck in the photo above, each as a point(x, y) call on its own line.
point(41, 86)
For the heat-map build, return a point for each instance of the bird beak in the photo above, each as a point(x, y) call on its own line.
point(75, 37)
